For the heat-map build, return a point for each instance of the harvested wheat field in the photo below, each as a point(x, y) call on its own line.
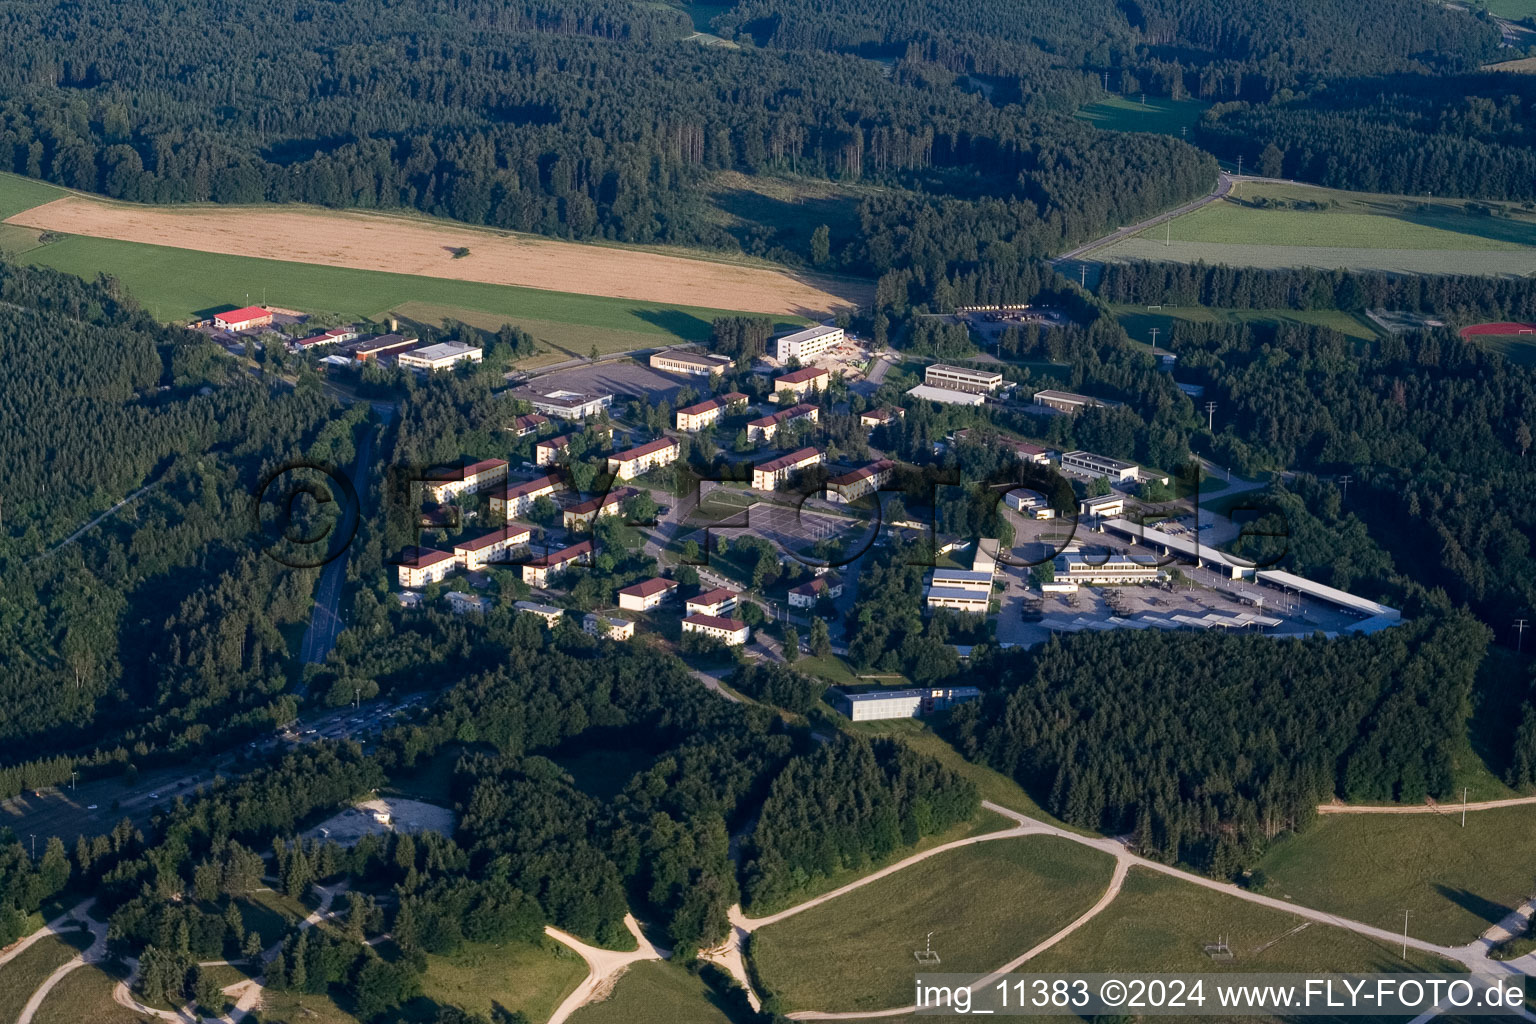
point(402, 245)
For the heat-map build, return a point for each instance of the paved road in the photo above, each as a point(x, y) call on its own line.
point(325, 623)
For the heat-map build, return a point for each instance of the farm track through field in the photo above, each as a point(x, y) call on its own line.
point(406, 245)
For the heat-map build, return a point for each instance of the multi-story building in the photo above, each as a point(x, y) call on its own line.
point(807, 344)
point(801, 382)
point(1103, 505)
point(1066, 401)
point(539, 571)
point(1087, 464)
point(519, 498)
point(731, 632)
point(1032, 503)
point(652, 455)
point(529, 424)
point(1108, 569)
point(581, 515)
point(712, 602)
point(774, 472)
point(548, 612)
point(420, 566)
point(383, 345)
point(647, 594)
point(690, 361)
point(878, 704)
point(966, 590)
point(463, 604)
point(708, 412)
point(881, 417)
point(861, 481)
point(471, 479)
point(766, 428)
point(565, 404)
point(333, 336)
point(548, 450)
point(612, 627)
point(444, 356)
point(807, 594)
point(962, 378)
point(498, 546)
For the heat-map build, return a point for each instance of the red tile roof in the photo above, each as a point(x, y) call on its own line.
point(862, 473)
point(702, 407)
point(800, 376)
point(513, 533)
point(564, 555)
point(649, 588)
point(661, 444)
point(529, 487)
point(611, 498)
point(423, 558)
point(235, 316)
point(715, 596)
point(555, 442)
point(792, 459)
point(716, 622)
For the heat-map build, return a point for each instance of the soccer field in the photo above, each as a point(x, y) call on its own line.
point(1279, 224)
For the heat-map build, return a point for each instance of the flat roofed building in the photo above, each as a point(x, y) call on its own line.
point(443, 356)
point(242, 319)
point(881, 417)
point(962, 378)
point(334, 336)
point(383, 345)
point(731, 632)
point(766, 428)
point(712, 602)
point(538, 572)
point(968, 601)
point(581, 515)
point(807, 344)
point(565, 404)
point(1094, 466)
point(1110, 568)
point(771, 474)
point(878, 704)
point(470, 479)
point(946, 396)
point(463, 604)
point(1103, 505)
point(420, 566)
point(652, 455)
point(801, 382)
point(491, 548)
point(987, 549)
point(1022, 499)
point(859, 482)
point(647, 594)
point(612, 627)
point(528, 424)
point(548, 450)
point(962, 579)
point(548, 612)
point(519, 498)
point(1066, 401)
point(690, 361)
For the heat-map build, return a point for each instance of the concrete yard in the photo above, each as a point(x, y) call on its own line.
point(409, 816)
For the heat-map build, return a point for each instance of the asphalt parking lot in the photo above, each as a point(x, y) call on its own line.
point(621, 377)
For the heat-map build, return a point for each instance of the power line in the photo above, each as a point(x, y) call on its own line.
point(1210, 416)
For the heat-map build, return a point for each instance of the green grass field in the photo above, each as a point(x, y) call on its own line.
point(1454, 881)
point(1158, 114)
point(1517, 348)
point(1514, 10)
point(1158, 924)
point(653, 992)
point(1139, 322)
point(84, 994)
point(517, 976)
point(18, 194)
point(20, 977)
point(1267, 224)
point(985, 904)
point(984, 822)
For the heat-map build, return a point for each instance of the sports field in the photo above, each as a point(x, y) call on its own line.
point(985, 904)
point(1280, 224)
point(1161, 924)
point(1455, 882)
point(1157, 114)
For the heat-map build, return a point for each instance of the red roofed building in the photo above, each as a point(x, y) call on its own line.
point(548, 451)
point(493, 547)
point(713, 602)
point(628, 465)
point(776, 471)
point(766, 428)
point(519, 498)
point(861, 481)
point(810, 378)
point(537, 573)
point(806, 594)
point(529, 424)
point(242, 319)
point(581, 515)
point(419, 566)
point(644, 596)
point(471, 479)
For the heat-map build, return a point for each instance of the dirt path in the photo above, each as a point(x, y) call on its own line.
point(423, 247)
point(1428, 807)
point(604, 966)
point(51, 928)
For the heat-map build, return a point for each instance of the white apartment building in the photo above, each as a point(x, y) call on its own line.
point(774, 472)
point(807, 344)
point(1093, 466)
point(1109, 568)
point(539, 571)
point(548, 612)
point(878, 704)
point(864, 480)
point(627, 465)
point(616, 628)
point(469, 480)
point(731, 632)
point(647, 594)
point(519, 498)
point(715, 602)
point(497, 546)
point(444, 356)
point(801, 382)
point(766, 428)
point(962, 378)
point(421, 566)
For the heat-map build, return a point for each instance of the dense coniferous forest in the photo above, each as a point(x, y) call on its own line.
point(1204, 747)
point(1459, 135)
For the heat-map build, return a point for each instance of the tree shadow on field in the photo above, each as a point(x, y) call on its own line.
point(1484, 908)
point(675, 321)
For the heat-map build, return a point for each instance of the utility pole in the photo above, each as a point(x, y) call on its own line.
point(1082, 275)
point(1520, 625)
point(1344, 482)
point(72, 781)
point(34, 846)
point(1239, 165)
point(1210, 416)
point(1154, 336)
